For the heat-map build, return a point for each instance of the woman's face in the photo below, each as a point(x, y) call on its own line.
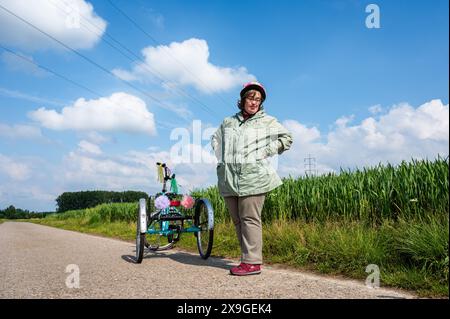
point(252, 102)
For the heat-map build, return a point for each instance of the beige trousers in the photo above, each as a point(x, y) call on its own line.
point(245, 212)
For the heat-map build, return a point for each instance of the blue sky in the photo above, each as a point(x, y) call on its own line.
point(352, 96)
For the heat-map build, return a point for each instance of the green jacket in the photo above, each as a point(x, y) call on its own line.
point(242, 149)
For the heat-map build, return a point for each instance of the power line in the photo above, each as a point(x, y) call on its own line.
point(62, 77)
point(155, 41)
point(49, 70)
point(82, 55)
point(155, 73)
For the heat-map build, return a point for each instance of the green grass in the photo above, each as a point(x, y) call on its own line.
point(118, 229)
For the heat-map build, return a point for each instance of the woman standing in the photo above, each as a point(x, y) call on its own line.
point(242, 145)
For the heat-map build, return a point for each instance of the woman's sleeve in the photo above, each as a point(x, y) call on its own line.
point(281, 139)
point(216, 143)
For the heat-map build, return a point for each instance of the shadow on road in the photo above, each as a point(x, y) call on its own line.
point(184, 258)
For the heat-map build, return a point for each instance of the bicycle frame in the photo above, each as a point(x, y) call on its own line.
point(165, 216)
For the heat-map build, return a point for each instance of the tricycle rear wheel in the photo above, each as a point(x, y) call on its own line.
point(204, 219)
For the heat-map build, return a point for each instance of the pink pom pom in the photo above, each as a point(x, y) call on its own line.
point(187, 202)
point(162, 202)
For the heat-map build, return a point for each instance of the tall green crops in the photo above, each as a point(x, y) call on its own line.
point(371, 195)
point(411, 189)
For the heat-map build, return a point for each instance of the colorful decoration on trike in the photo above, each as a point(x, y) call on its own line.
point(166, 215)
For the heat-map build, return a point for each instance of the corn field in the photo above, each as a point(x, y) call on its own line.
point(410, 189)
point(413, 189)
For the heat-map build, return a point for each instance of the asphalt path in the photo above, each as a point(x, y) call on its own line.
point(44, 262)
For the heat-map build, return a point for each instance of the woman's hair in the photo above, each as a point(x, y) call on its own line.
point(249, 93)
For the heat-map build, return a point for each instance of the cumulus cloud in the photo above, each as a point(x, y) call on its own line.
point(428, 122)
point(403, 133)
point(62, 20)
point(118, 112)
point(186, 63)
point(301, 133)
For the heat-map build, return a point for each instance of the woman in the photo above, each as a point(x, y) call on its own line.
point(242, 145)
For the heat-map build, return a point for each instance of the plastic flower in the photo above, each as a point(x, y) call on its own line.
point(187, 202)
point(162, 202)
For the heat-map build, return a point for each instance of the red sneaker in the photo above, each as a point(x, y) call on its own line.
point(245, 269)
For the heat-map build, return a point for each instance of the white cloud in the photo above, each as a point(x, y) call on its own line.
point(87, 147)
point(20, 131)
point(186, 63)
point(133, 170)
point(13, 169)
point(118, 112)
point(403, 133)
point(62, 20)
point(301, 133)
point(429, 121)
point(344, 120)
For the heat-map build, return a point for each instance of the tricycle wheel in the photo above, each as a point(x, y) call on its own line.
point(140, 235)
point(204, 219)
point(140, 239)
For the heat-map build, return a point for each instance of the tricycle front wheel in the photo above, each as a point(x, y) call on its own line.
point(141, 228)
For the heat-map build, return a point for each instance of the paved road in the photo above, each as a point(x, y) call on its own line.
point(33, 261)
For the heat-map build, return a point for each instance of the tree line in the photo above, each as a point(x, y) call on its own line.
point(86, 199)
point(12, 212)
point(76, 200)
